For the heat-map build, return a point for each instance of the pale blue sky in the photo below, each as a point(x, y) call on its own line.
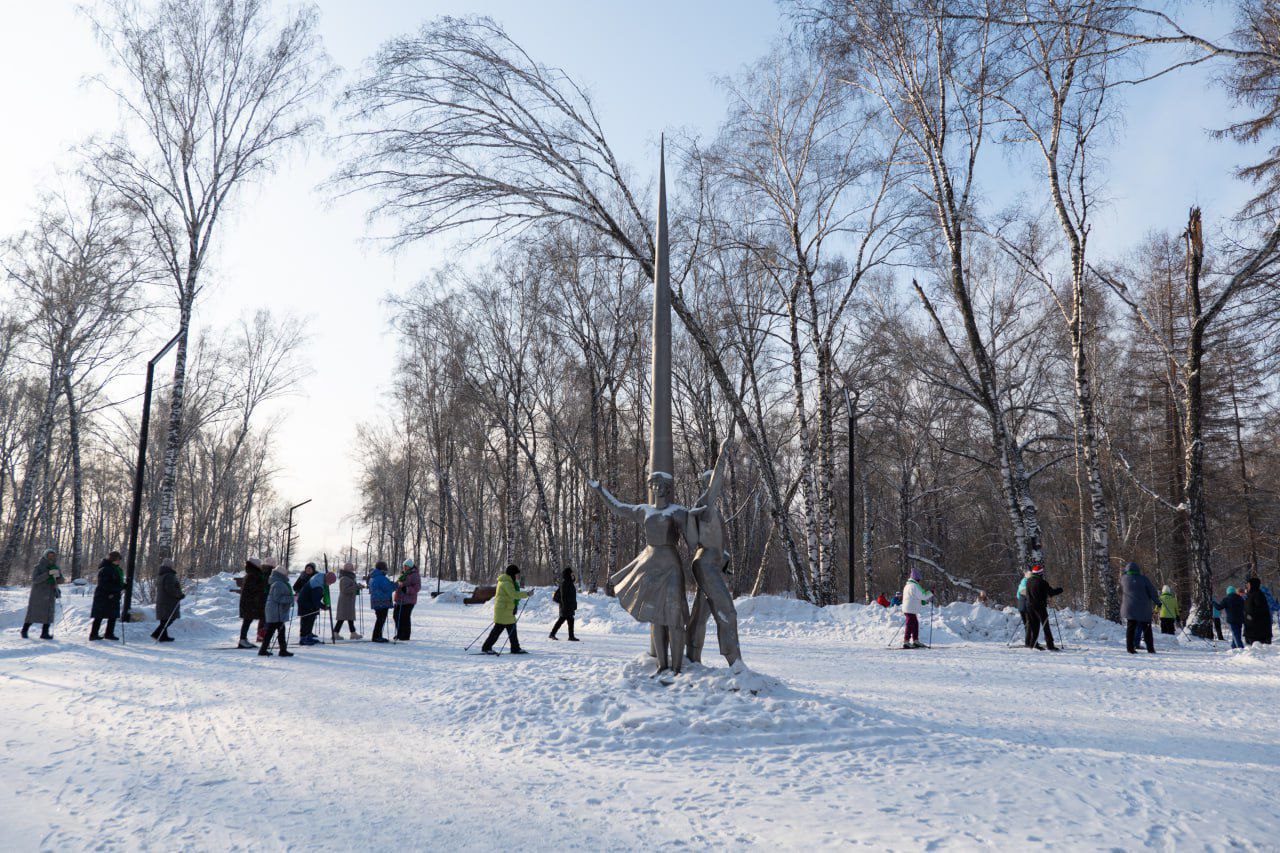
point(650, 67)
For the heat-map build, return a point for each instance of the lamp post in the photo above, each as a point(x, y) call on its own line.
point(288, 535)
point(139, 477)
point(853, 455)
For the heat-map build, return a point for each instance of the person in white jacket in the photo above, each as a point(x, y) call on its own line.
point(913, 598)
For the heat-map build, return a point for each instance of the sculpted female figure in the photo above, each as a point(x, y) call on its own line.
point(651, 587)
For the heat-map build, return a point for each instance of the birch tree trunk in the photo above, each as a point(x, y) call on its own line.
point(32, 475)
point(77, 480)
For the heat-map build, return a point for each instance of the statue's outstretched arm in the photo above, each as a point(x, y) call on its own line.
point(631, 512)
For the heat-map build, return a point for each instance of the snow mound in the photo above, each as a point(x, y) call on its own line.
point(598, 709)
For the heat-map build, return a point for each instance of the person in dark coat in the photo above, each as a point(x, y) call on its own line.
point(169, 595)
point(42, 603)
point(310, 603)
point(566, 595)
point(1038, 594)
point(106, 597)
point(1232, 607)
point(1138, 599)
point(381, 591)
point(1257, 615)
point(253, 600)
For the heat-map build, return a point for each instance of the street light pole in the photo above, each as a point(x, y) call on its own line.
point(139, 476)
point(853, 455)
point(288, 536)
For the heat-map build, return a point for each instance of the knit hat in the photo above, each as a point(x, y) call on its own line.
point(1166, 589)
point(1037, 570)
point(255, 562)
point(408, 563)
point(1231, 590)
point(1131, 566)
point(348, 567)
point(914, 574)
point(513, 570)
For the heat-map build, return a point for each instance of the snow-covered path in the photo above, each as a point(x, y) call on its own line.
point(419, 746)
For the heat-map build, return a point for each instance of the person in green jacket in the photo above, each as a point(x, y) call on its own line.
point(1168, 610)
point(505, 602)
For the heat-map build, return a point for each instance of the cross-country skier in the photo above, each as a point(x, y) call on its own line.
point(1168, 610)
point(566, 595)
point(348, 589)
point(169, 596)
point(1232, 607)
point(407, 587)
point(1022, 598)
point(253, 600)
point(913, 598)
point(106, 597)
point(1257, 615)
point(279, 606)
point(381, 590)
point(1138, 598)
point(504, 611)
point(1038, 594)
point(45, 578)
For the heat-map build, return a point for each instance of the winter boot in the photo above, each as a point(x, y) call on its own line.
point(285, 653)
point(93, 630)
point(264, 653)
point(574, 639)
point(356, 635)
point(44, 632)
point(26, 626)
point(489, 652)
point(245, 644)
point(519, 652)
point(111, 631)
point(552, 637)
point(164, 638)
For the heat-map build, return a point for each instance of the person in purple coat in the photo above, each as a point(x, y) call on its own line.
point(407, 587)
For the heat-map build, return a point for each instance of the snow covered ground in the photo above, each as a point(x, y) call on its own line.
point(831, 740)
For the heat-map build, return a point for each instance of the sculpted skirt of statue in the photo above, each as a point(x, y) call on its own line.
point(651, 587)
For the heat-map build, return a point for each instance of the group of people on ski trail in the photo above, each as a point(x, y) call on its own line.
point(1248, 612)
point(506, 609)
point(267, 598)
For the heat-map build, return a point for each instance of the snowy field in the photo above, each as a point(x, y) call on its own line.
point(831, 741)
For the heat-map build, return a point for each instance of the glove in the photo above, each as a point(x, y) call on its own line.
point(53, 573)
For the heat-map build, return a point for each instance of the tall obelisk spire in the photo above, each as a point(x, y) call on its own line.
point(661, 453)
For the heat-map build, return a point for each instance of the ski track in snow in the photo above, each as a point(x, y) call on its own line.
point(830, 740)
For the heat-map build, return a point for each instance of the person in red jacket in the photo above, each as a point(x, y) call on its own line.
point(882, 600)
point(407, 587)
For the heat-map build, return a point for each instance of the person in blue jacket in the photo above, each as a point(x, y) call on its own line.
point(381, 592)
point(310, 603)
point(1272, 604)
point(1138, 598)
point(1232, 608)
point(1022, 597)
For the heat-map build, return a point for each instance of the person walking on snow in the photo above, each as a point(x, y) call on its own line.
point(1038, 594)
point(1138, 597)
point(1217, 620)
point(1271, 602)
point(253, 600)
point(279, 607)
point(1232, 607)
point(913, 598)
point(381, 591)
point(345, 611)
point(566, 595)
point(42, 602)
point(407, 587)
point(505, 601)
point(169, 596)
point(1168, 609)
point(1022, 598)
point(106, 597)
point(1257, 615)
point(310, 602)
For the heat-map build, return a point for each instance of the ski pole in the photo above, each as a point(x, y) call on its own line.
point(478, 636)
point(893, 629)
point(395, 626)
point(931, 610)
point(1058, 625)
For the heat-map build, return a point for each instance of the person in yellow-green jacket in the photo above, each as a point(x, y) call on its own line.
point(1168, 610)
point(505, 603)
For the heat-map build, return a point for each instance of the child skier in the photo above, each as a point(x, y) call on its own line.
point(348, 589)
point(279, 606)
point(1168, 610)
point(913, 598)
point(381, 590)
point(504, 611)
